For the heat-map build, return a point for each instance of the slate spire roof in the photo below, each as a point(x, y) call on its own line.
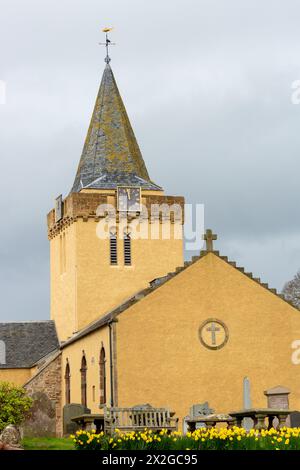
point(111, 155)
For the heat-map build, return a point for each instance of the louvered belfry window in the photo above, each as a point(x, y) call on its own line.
point(127, 249)
point(113, 248)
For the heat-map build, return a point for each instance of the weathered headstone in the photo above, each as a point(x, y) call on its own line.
point(71, 411)
point(201, 409)
point(143, 407)
point(295, 419)
point(247, 403)
point(278, 397)
point(41, 419)
point(11, 436)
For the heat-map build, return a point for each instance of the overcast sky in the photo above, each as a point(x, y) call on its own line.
point(207, 86)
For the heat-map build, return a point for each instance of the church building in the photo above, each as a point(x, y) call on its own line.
point(131, 321)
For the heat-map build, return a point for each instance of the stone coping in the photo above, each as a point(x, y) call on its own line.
point(267, 411)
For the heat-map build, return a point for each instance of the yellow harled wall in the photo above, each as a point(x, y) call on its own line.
point(161, 360)
point(90, 286)
point(16, 376)
point(63, 298)
point(91, 346)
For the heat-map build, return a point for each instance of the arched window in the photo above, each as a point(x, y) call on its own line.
point(127, 249)
point(102, 377)
point(83, 381)
point(113, 248)
point(2, 352)
point(68, 384)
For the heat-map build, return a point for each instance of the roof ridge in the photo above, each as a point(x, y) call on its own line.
point(265, 285)
point(25, 321)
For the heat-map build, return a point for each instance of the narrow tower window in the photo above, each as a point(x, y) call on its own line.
point(127, 249)
point(62, 248)
point(102, 377)
point(113, 247)
point(83, 381)
point(68, 384)
point(64, 253)
point(60, 254)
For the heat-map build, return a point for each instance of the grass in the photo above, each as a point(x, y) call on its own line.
point(47, 443)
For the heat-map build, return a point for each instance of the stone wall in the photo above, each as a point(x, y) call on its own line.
point(45, 388)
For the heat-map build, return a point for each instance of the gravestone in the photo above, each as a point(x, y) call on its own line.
point(247, 403)
point(295, 419)
point(11, 436)
point(201, 409)
point(71, 411)
point(278, 397)
point(146, 406)
point(195, 411)
point(41, 419)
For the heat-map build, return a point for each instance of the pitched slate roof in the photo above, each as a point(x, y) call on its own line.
point(156, 284)
point(27, 342)
point(111, 155)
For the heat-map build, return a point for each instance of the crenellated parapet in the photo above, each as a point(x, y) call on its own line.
point(85, 206)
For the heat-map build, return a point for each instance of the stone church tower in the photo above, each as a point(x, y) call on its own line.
point(108, 237)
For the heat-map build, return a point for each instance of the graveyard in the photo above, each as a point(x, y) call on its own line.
point(144, 427)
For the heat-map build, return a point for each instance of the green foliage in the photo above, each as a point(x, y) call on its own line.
point(14, 404)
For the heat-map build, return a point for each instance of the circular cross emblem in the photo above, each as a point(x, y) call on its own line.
point(213, 333)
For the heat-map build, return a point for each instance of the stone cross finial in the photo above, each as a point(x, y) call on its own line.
point(209, 236)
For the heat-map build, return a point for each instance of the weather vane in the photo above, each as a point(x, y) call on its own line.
point(107, 43)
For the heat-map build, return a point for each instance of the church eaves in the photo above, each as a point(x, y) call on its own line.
point(111, 156)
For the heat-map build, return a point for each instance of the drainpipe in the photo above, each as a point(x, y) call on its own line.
point(110, 325)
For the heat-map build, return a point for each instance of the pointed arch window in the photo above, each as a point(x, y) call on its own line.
point(68, 384)
point(102, 364)
point(113, 247)
point(127, 249)
point(83, 372)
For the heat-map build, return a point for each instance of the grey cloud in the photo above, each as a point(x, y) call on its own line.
point(207, 86)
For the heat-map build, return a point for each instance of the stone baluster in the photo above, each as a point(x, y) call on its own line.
point(259, 421)
point(282, 420)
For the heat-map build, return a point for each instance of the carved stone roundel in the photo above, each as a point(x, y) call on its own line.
point(213, 333)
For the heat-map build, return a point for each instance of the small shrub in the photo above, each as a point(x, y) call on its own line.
point(14, 404)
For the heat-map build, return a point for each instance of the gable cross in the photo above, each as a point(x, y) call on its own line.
point(209, 237)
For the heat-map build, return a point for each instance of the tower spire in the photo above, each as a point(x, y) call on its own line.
point(111, 156)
